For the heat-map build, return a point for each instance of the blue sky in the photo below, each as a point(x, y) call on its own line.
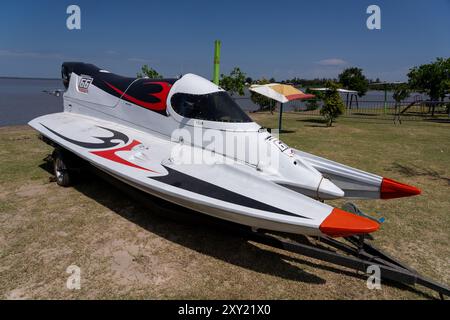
point(280, 39)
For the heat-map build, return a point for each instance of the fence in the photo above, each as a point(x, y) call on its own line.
point(415, 109)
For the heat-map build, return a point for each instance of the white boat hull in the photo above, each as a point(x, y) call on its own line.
point(186, 141)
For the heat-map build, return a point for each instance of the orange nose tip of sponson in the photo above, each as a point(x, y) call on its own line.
point(391, 189)
point(340, 223)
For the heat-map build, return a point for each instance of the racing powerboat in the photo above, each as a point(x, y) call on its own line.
point(186, 141)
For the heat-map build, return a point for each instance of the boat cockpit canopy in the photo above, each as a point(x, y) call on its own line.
point(215, 106)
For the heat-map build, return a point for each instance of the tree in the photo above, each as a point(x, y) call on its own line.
point(313, 104)
point(332, 103)
point(249, 80)
point(353, 79)
point(432, 79)
point(401, 92)
point(262, 101)
point(233, 83)
point(146, 71)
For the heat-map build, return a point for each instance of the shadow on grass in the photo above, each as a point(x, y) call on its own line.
point(288, 131)
point(204, 234)
point(313, 120)
point(365, 114)
point(415, 171)
point(442, 120)
point(319, 123)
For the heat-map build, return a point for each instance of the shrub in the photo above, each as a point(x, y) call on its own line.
point(332, 104)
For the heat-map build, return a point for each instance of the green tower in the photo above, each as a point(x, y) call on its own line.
point(216, 72)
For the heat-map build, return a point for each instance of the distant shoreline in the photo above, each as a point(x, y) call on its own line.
point(27, 78)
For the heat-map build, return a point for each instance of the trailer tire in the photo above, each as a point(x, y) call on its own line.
point(61, 169)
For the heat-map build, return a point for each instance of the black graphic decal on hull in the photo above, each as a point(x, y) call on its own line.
point(189, 183)
point(107, 141)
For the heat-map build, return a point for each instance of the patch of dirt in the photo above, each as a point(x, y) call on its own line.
point(17, 294)
point(3, 195)
point(31, 190)
point(138, 264)
point(5, 188)
point(48, 255)
point(62, 234)
point(20, 138)
point(2, 241)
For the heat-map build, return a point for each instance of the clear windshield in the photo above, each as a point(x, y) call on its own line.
point(217, 106)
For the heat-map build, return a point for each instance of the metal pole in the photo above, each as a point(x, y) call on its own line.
point(280, 119)
point(216, 72)
point(385, 98)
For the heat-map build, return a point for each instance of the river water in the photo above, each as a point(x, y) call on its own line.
point(21, 100)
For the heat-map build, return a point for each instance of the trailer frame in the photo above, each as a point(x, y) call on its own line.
point(357, 254)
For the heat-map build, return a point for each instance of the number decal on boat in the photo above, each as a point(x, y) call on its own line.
point(85, 82)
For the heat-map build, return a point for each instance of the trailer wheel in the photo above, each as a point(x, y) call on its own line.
point(61, 169)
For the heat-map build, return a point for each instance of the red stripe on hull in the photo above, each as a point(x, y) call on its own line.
point(111, 155)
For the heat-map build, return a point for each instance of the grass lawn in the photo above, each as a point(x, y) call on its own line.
point(126, 250)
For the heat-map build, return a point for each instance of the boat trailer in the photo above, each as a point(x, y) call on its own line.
point(355, 253)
